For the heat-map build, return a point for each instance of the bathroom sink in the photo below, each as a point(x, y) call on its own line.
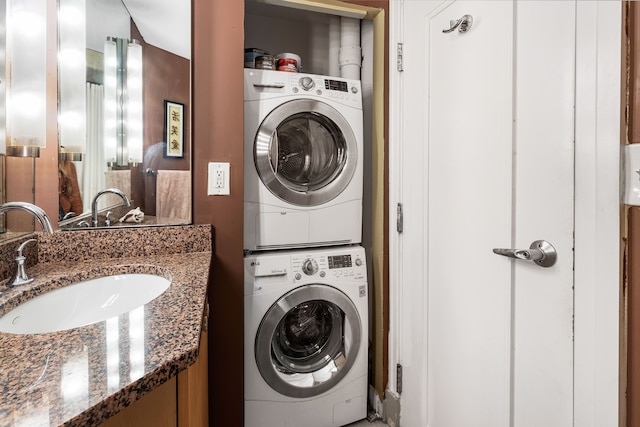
point(83, 303)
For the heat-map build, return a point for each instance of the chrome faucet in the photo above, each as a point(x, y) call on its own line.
point(68, 215)
point(34, 210)
point(94, 204)
point(20, 276)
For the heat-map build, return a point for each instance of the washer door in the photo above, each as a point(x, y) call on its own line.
point(308, 341)
point(305, 152)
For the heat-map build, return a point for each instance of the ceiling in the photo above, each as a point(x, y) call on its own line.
point(164, 23)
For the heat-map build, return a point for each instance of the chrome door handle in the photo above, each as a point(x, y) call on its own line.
point(463, 24)
point(541, 252)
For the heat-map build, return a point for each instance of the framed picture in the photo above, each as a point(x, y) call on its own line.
point(174, 129)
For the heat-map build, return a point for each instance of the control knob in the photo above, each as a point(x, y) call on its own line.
point(306, 83)
point(309, 267)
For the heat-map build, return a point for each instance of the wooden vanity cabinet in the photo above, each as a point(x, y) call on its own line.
point(182, 401)
point(193, 389)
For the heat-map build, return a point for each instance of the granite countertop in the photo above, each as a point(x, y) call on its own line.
point(82, 376)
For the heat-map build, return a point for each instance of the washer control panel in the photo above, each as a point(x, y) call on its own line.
point(338, 266)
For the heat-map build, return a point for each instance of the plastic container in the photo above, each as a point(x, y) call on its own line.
point(288, 62)
point(250, 55)
point(265, 62)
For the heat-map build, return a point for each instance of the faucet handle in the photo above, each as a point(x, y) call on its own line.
point(107, 220)
point(20, 276)
point(24, 244)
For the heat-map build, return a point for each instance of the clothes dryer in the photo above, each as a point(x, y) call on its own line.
point(303, 145)
point(306, 337)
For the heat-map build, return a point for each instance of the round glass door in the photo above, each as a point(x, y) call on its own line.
point(305, 152)
point(308, 341)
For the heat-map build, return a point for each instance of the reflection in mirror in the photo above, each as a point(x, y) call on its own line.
point(3, 14)
point(22, 106)
point(101, 145)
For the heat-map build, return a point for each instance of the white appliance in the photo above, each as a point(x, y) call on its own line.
point(303, 160)
point(306, 337)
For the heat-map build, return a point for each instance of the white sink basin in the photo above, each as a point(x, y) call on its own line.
point(83, 303)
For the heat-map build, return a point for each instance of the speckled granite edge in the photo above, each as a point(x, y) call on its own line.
point(131, 242)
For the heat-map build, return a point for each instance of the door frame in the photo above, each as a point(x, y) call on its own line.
point(597, 277)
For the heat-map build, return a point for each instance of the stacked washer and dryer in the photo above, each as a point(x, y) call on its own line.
point(305, 290)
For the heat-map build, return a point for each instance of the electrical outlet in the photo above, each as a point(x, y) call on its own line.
point(218, 179)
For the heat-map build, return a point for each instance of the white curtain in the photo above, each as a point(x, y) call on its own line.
point(94, 165)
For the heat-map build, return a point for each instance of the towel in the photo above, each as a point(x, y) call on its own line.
point(120, 179)
point(134, 215)
point(173, 196)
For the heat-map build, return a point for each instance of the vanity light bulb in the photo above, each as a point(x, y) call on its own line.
point(26, 23)
point(134, 142)
point(110, 149)
point(135, 125)
point(133, 63)
point(134, 83)
point(111, 108)
point(70, 15)
point(27, 105)
point(70, 118)
point(134, 107)
point(110, 62)
point(110, 81)
point(71, 58)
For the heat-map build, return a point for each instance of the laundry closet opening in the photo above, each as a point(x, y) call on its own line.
point(312, 41)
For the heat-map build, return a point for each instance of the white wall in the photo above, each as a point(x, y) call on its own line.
point(106, 18)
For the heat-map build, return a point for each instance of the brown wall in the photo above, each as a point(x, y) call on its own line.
point(632, 258)
point(632, 261)
point(217, 61)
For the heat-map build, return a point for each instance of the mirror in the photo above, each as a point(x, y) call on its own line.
point(127, 149)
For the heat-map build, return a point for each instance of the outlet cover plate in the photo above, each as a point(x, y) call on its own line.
point(218, 179)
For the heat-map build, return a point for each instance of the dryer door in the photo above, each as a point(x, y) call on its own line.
point(305, 152)
point(308, 341)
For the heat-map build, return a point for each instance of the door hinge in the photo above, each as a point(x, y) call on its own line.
point(631, 175)
point(399, 378)
point(399, 218)
point(399, 57)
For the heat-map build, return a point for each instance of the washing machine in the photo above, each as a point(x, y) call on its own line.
point(303, 164)
point(306, 337)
